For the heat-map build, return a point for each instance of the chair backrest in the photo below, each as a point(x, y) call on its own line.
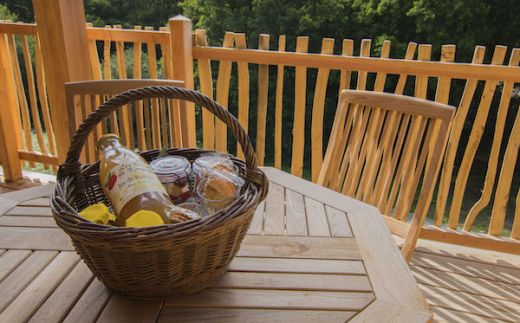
point(145, 124)
point(382, 146)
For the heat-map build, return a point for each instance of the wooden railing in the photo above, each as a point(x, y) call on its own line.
point(36, 142)
point(482, 93)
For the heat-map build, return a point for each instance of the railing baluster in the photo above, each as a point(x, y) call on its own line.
point(22, 99)
point(498, 213)
point(318, 109)
point(298, 131)
point(474, 141)
point(263, 87)
point(243, 90)
point(206, 87)
point(224, 77)
point(279, 108)
point(33, 106)
point(489, 183)
point(453, 143)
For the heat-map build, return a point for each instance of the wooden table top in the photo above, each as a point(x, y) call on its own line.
point(311, 254)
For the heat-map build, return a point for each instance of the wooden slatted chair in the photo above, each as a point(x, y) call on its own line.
point(382, 146)
point(144, 125)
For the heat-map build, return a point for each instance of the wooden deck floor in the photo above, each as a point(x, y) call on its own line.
point(461, 284)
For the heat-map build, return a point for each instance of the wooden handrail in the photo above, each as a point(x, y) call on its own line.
point(18, 28)
point(369, 64)
point(126, 35)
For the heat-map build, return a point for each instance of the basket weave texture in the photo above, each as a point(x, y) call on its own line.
point(155, 262)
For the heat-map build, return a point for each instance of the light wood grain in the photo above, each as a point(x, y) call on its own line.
point(473, 142)
point(10, 260)
point(64, 296)
point(318, 110)
point(370, 64)
point(338, 223)
point(298, 130)
point(22, 276)
point(64, 46)
point(286, 281)
point(257, 224)
point(279, 108)
point(27, 221)
point(274, 219)
point(123, 309)
point(222, 89)
point(290, 265)
point(263, 87)
point(271, 299)
point(300, 247)
point(316, 218)
point(497, 221)
point(9, 117)
point(34, 238)
point(30, 211)
point(182, 69)
point(243, 91)
point(23, 307)
point(206, 87)
point(90, 304)
point(251, 315)
point(296, 219)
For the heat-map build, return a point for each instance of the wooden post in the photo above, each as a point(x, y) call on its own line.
point(63, 38)
point(182, 63)
point(9, 117)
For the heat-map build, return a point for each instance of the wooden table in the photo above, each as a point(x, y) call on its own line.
point(311, 255)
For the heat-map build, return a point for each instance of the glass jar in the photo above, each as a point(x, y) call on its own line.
point(206, 163)
point(174, 173)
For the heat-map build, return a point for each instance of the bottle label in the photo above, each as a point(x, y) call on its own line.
point(127, 180)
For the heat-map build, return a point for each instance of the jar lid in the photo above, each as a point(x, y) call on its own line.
point(170, 164)
point(211, 159)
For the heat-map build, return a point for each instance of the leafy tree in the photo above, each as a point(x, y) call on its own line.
point(5, 14)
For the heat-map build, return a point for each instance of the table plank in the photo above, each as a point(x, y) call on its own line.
point(34, 238)
point(22, 308)
point(10, 260)
point(257, 224)
point(292, 281)
point(175, 314)
point(316, 218)
point(122, 309)
point(19, 278)
point(40, 201)
point(295, 214)
point(291, 265)
point(27, 221)
point(274, 219)
point(338, 223)
point(91, 303)
point(274, 299)
point(30, 193)
point(6, 204)
point(30, 211)
point(390, 276)
point(64, 296)
point(299, 247)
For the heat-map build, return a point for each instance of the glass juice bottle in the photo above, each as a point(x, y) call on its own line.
point(131, 185)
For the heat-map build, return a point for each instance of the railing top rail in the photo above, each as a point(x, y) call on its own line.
point(128, 35)
point(19, 28)
point(369, 64)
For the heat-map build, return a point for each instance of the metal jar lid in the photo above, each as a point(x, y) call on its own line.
point(170, 165)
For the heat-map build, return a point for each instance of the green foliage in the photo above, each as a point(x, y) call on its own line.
point(6, 14)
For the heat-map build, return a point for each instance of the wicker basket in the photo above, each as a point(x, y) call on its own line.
point(154, 262)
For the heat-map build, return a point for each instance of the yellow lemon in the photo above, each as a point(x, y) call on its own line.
point(98, 213)
point(144, 218)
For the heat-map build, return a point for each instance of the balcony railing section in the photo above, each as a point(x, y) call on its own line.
point(477, 197)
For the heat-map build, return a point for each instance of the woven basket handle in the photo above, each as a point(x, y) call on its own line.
point(72, 163)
